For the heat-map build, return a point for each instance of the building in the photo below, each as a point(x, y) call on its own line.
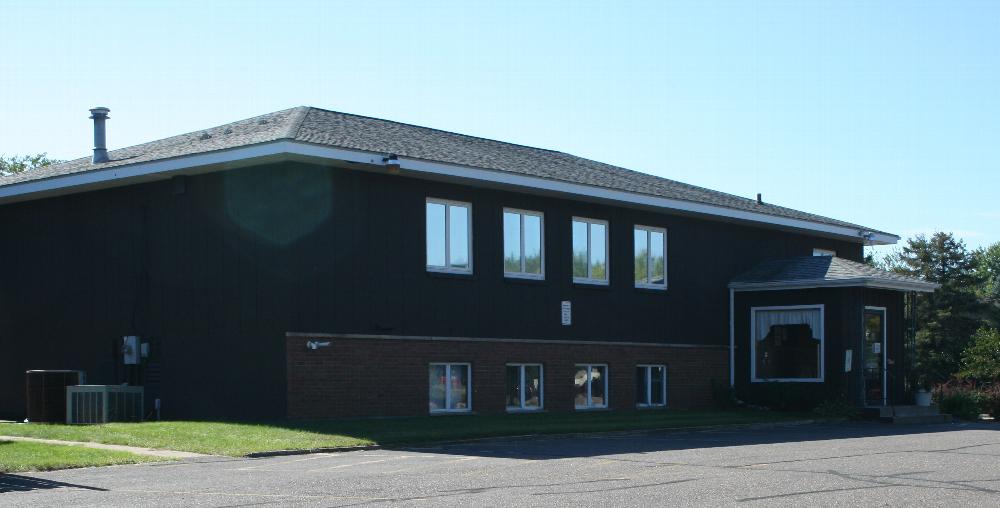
point(314, 264)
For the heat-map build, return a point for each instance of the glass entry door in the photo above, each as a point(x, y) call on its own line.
point(874, 357)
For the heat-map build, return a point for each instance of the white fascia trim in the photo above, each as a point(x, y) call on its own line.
point(923, 287)
point(289, 147)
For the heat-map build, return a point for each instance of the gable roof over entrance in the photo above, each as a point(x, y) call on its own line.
point(318, 133)
point(823, 271)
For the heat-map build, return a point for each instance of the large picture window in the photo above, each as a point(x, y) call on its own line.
point(590, 251)
point(591, 385)
point(651, 385)
point(787, 343)
point(524, 387)
point(449, 236)
point(650, 247)
point(450, 388)
point(523, 245)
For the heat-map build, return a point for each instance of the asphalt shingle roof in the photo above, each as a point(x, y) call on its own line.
point(821, 270)
point(341, 130)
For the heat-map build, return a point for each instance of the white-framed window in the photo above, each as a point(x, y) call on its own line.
point(525, 387)
point(590, 251)
point(824, 252)
point(787, 344)
point(523, 244)
point(651, 385)
point(650, 254)
point(449, 236)
point(591, 386)
point(450, 387)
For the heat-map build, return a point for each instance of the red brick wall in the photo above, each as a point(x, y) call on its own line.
point(389, 377)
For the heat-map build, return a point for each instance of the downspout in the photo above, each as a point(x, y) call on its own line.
point(732, 339)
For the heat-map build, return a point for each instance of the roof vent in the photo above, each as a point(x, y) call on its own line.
point(204, 136)
point(99, 115)
point(760, 199)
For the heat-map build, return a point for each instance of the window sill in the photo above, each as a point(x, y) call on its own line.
point(450, 274)
point(450, 412)
point(591, 284)
point(587, 409)
point(651, 289)
point(523, 279)
point(650, 407)
point(519, 411)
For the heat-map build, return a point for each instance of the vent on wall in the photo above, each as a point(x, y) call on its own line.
point(103, 403)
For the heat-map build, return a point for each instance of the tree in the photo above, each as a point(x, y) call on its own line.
point(14, 164)
point(987, 261)
point(951, 315)
point(981, 360)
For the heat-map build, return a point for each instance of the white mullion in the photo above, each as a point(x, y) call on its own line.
point(590, 246)
point(447, 386)
point(521, 368)
point(523, 264)
point(649, 386)
point(649, 250)
point(590, 382)
point(447, 235)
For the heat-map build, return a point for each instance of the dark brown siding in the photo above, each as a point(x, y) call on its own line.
point(215, 276)
point(843, 320)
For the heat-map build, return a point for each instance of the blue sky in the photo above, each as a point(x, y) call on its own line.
point(882, 113)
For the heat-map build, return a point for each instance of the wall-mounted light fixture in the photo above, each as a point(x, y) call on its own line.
point(391, 163)
point(315, 344)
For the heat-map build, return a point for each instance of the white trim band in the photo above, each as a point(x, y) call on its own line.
point(279, 150)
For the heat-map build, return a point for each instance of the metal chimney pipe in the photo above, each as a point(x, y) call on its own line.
point(99, 115)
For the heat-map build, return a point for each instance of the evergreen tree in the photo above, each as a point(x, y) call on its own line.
point(950, 316)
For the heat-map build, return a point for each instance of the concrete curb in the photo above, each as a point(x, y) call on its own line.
point(522, 437)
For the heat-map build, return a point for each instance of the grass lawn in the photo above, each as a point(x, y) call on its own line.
point(237, 439)
point(23, 456)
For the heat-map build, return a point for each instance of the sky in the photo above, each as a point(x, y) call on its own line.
point(885, 114)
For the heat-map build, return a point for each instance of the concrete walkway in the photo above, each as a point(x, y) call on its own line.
point(152, 452)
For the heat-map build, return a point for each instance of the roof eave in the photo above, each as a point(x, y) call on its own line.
point(867, 282)
point(275, 150)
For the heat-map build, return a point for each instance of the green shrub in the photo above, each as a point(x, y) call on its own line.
point(959, 399)
point(989, 401)
point(837, 408)
point(981, 359)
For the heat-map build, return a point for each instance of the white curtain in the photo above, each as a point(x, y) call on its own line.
point(765, 319)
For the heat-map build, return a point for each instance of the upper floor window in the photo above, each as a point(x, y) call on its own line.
point(824, 252)
point(650, 257)
point(449, 236)
point(523, 244)
point(590, 251)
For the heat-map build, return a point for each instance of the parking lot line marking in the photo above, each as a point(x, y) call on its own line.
point(245, 494)
point(317, 456)
point(341, 466)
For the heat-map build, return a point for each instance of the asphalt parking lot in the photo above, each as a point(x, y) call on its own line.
point(861, 464)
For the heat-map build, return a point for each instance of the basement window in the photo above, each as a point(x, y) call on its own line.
point(523, 245)
point(651, 385)
point(524, 387)
point(787, 344)
point(449, 236)
point(450, 388)
point(590, 251)
point(591, 386)
point(650, 257)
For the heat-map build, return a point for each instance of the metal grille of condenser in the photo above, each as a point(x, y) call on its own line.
point(103, 403)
